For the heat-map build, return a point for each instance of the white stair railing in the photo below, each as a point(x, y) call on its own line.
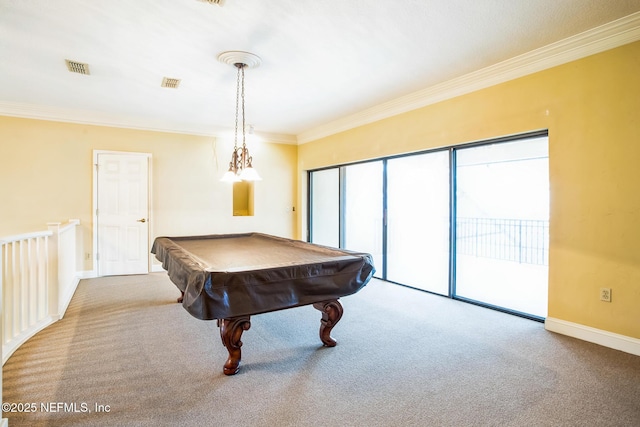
point(38, 277)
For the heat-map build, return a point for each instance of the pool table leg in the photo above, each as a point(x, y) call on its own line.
point(231, 331)
point(331, 314)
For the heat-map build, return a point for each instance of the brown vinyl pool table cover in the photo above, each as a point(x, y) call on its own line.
point(230, 275)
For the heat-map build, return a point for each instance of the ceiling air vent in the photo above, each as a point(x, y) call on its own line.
point(77, 67)
point(218, 2)
point(169, 82)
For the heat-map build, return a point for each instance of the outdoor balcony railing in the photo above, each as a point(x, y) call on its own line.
point(520, 240)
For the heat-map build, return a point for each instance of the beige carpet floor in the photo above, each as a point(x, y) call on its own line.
point(404, 358)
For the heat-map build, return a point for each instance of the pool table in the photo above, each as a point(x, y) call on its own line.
point(230, 277)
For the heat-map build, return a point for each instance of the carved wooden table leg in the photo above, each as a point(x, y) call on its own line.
point(331, 314)
point(231, 332)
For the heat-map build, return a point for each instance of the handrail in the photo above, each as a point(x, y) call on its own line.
point(38, 277)
point(24, 236)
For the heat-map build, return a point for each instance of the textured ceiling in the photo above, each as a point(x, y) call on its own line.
point(321, 60)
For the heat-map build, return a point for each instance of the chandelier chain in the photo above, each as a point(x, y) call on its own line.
point(235, 140)
point(243, 124)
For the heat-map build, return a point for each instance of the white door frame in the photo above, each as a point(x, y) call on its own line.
point(95, 269)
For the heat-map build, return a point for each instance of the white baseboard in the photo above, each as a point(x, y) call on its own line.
point(157, 268)
point(91, 274)
point(9, 347)
point(14, 343)
point(65, 300)
point(596, 336)
point(87, 274)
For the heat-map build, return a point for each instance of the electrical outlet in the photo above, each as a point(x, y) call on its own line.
point(605, 294)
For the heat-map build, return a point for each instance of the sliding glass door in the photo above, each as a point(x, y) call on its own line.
point(324, 186)
point(346, 206)
point(362, 184)
point(418, 221)
point(468, 222)
point(502, 225)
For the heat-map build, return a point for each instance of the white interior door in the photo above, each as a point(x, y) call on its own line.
point(122, 213)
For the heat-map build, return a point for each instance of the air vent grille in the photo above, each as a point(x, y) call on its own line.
point(171, 83)
point(77, 67)
point(218, 2)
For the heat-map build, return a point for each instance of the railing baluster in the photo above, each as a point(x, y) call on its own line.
point(34, 293)
point(43, 276)
point(15, 313)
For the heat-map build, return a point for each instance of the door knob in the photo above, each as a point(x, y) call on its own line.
point(142, 220)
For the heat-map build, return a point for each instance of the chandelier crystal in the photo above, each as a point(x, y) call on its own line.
point(240, 167)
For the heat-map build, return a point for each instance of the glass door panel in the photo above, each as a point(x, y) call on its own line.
point(502, 225)
point(418, 221)
point(325, 207)
point(363, 210)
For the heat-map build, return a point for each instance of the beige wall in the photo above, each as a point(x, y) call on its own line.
point(591, 108)
point(46, 172)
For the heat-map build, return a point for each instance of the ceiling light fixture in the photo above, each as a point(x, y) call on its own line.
point(240, 168)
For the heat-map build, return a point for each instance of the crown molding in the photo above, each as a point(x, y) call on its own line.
point(608, 36)
point(278, 138)
point(68, 115)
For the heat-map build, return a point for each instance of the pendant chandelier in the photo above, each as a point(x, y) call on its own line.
point(240, 167)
